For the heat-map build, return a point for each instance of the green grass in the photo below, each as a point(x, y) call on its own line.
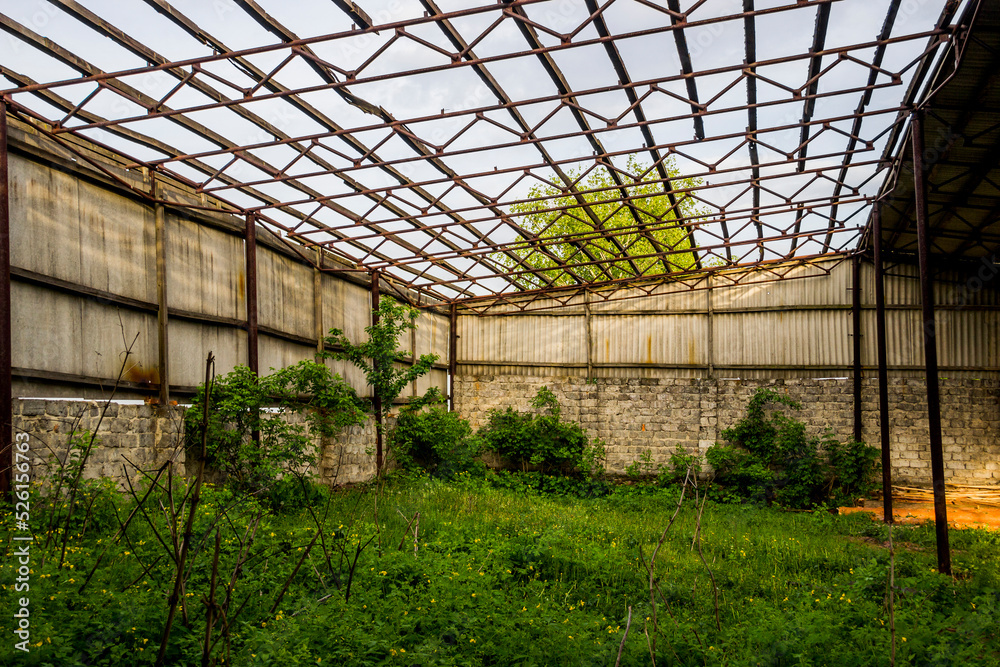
point(503, 577)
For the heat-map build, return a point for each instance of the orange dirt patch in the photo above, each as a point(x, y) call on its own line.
point(960, 514)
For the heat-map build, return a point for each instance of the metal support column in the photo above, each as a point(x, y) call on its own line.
point(162, 315)
point(452, 355)
point(856, 336)
point(930, 346)
point(710, 324)
point(6, 389)
point(376, 399)
point(251, 269)
point(413, 360)
point(590, 338)
point(883, 365)
point(318, 302)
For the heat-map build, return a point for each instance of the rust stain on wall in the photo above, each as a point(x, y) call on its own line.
point(141, 374)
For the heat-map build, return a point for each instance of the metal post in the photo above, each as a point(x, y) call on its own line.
point(590, 338)
point(856, 321)
point(6, 390)
point(413, 360)
point(376, 398)
point(930, 346)
point(162, 315)
point(251, 269)
point(883, 366)
point(710, 351)
point(452, 356)
point(318, 301)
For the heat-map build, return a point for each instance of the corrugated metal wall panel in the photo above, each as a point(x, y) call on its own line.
point(527, 338)
point(650, 339)
point(528, 370)
point(432, 335)
point(206, 270)
point(967, 338)
point(105, 241)
point(285, 294)
point(347, 307)
point(904, 338)
point(277, 353)
point(351, 374)
point(902, 285)
point(783, 338)
point(190, 344)
point(667, 298)
point(53, 331)
point(437, 378)
point(818, 289)
point(648, 372)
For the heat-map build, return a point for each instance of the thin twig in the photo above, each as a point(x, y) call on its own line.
point(210, 605)
point(93, 440)
point(288, 582)
point(656, 550)
point(195, 497)
point(649, 645)
point(892, 603)
point(711, 575)
point(407, 529)
point(621, 646)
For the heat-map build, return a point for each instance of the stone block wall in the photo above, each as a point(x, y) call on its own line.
point(346, 460)
point(147, 436)
point(128, 435)
point(635, 415)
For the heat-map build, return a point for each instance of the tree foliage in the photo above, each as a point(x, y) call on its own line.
point(648, 224)
point(386, 369)
point(243, 404)
point(542, 439)
point(773, 456)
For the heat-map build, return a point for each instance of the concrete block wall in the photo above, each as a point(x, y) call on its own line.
point(128, 434)
point(147, 436)
point(635, 415)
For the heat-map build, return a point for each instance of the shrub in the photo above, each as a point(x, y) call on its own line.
point(740, 471)
point(641, 467)
point(773, 456)
point(680, 462)
point(242, 404)
point(856, 467)
point(380, 361)
point(767, 438)
point(436, 440)
point(542, 440)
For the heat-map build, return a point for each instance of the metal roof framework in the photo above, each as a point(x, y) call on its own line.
point(961, 158)
point(761, 157)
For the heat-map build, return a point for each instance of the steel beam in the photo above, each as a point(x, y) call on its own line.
point(376, 397)
point(857, 374)
point(318, 329)
point(883, 365)
point(250, 246)
point(930, 344)
point(162, 313)
point(452, 355)
point(6, 398)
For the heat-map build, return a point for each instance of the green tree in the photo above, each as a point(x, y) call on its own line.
point(645, 227)
point(383, 364)
point(252, 444)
